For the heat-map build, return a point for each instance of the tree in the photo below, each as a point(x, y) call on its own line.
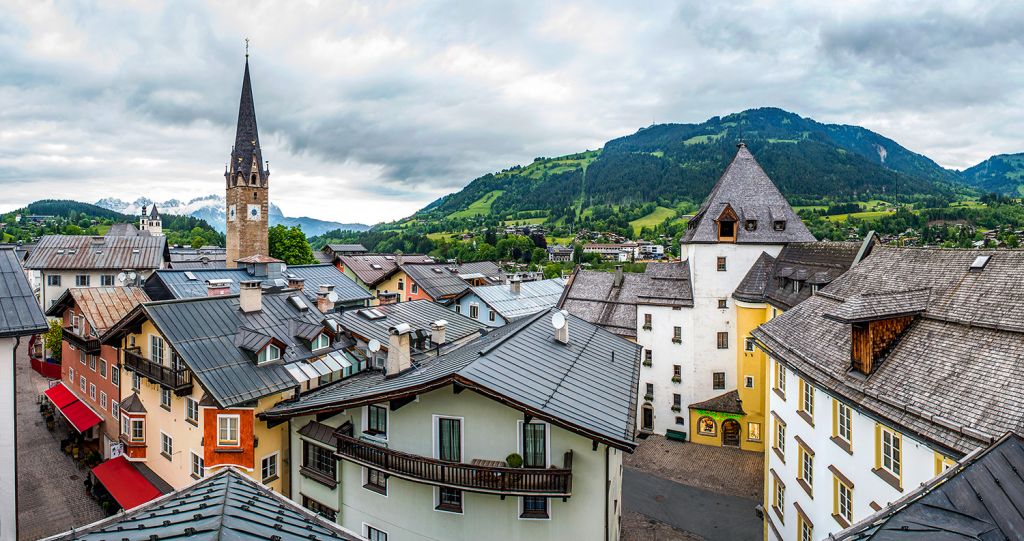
point(53, 339)
point(538, 256)
point(289, 244)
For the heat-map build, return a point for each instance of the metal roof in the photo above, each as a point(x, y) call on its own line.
point(438, 280)
point(588, 385)
point(418, 314)
point(19, 311)
point(177, 283)
point(347, 248)
point(227, 505)
point(532, 297)
point(101, 306)
point(371, 269)
point(73, 252)
point(982, 497)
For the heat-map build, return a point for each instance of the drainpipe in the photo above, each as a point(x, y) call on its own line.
point(607, 491)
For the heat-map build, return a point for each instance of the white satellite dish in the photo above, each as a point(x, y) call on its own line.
point(132, 276)
point(558, 320)
point(121, 278)
point(373, 345)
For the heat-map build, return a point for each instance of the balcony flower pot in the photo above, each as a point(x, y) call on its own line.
point(676, 379)
point(648, 397)
point(648, 363)
point(676, 409)
point(515, 460)
point(677, 340)
point(647, 327)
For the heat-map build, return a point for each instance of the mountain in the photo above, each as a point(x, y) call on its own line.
point(669, 163)
point(211, 208)
point(1003, 173)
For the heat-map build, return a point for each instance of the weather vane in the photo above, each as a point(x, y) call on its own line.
point(246, 47)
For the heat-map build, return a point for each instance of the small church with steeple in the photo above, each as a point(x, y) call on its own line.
point(247, 185)
point(151, 221)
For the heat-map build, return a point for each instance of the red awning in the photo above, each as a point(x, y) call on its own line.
point(74, 410)
point(125, 483)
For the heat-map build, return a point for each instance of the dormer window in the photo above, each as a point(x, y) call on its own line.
point(750, 225)
point(321, 341)
point(779, 225)
point(269, 354)
point(727, 225)
point(796, 286)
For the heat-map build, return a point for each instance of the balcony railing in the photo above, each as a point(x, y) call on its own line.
point(88, 344)
point(179, 381)
point(553, 482)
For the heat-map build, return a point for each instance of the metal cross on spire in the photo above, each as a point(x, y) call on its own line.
point(246, 48)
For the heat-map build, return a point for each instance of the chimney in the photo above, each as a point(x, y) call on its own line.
point(250, 297)
point(437, 331)
point(516, 285)
point(323, 298)
point(618, 275)
point(398, 258)
point(296, 283)
point(218, 288)
point(561, 323)
point(399, 355)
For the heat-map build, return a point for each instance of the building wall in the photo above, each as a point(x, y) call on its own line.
point(244, 236)
point(664, 355)
point(8, 424)
point(97, 373)
point(490, 431)
point(49, 294)
point(920, 462)
point(753, 364)
point(483, 313)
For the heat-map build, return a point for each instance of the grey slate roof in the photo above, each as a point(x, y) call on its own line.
point(436, 279)
point(321, 433)
point(204, 332)
point(746, 188)
point(418, 314)
point(755, 283)
point(818, 263)
point(371, 269)
point(728, 402)
point(347, 248)
point(132, 404)
point(980, 498)
point(56, 252)
point(19, 312)
point(489, 269)
point(588, 385)
point(227, 505)
point(176, 283)
point(246, 150)
point(124, 230)
point(532, 297)
point(594, 296)
point(954, 377)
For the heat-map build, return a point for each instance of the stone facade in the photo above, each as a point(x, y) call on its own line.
point(247, 184)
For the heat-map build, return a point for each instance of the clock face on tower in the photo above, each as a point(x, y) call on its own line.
point(254, 212)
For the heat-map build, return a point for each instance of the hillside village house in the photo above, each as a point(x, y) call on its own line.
point(443, 282)
point(89, 394)
point(59, 262)
point(20, 318)
point(420, 450)
point(380, 274)
point(881, 381)
point(496, 305)
point(331, 252)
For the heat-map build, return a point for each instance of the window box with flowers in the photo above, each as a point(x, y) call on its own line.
point(647, 362)
point(677, 340)
point(677, 379)
point(649, 397)
point(677, 408)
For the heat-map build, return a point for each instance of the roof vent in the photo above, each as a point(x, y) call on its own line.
point(135, 251)
point(60, 252)
point(438, 270)
point(980, 262)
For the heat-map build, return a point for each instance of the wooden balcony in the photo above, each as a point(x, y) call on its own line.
point(90, 345)
point(553, 482)
point(179, 381)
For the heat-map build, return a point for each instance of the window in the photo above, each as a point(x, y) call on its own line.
point(723, 303)
point(401, 284)
point(166, 446)
point(165, 398)
point(136, 381)
point(649, 395)
point(890, 451)
point(53, 280)
point(81, 280)
point(474, 311)
point(706, 426)
point(138, 430)
point(677, 402)
point(92, 362)
point(458, 308)
point(376, 481)
point(322, 341)
point(535, 447)
point(647, 322)
point(318, 459)
point(779, 225)
point(780, 439)
point(271, 353)
point(750, 225)
point(373, 534)
point(779, 497)
point(268, 468)
point(723, 340)
point(156, 349)
point(491, 315)
point(191, 410)
point(415, 289)
point(648, 357)
point(115, 408)
point(103, 400)
point(107, 280)
point(843, 424)
point(71, 375)
point(748, 344)
point(103, 368)
point(115, 375)
point(198, 465)
point(680, 421)
point(806, 469)
point(81, 358)
point(726, 229)
point(92, 391)
point(534, 507)
point(753, 431)
point(718, 380)
point(677, 373)
point(780, 379)
point(449, 439)
point(721, 264)
point(449, 499)
point(804, 528)
point(842, 502)
point(806, 400)
point(377, 421)
point(748, 382)
point(323, 510)
point(227, 430)
point(81, 383)
point(677, 335)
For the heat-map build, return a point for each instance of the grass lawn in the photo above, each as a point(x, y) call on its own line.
point(479, 207)
point(525, 221)
point(866, 216)
point(659, 215)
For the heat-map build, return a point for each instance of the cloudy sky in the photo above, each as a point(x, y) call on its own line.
point(369, 111)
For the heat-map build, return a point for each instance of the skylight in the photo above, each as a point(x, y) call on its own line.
point(190, 275)
point(980, 262)
point(298, 302)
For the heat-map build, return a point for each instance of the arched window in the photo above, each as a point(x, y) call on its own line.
point(252, 179)
point(706, 426)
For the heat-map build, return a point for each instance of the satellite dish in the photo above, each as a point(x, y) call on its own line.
point(121, 278)
point(373, 345)
point(558, 320)
point(132, 276)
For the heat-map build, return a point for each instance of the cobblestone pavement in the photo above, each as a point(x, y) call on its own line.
point(637, 527)
point(51, 493)
point(724, 470)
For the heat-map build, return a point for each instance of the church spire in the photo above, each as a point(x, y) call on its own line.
point(246, 156)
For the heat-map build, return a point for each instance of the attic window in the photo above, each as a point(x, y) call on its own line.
point(269, 353)
point(779, 225)
point(979, 263)
point(376, 266)
point(321, 341)
point(726, 230)
point(750, 225)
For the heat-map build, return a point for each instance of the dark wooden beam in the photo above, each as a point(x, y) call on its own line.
point(458, 387)
point(399, 402)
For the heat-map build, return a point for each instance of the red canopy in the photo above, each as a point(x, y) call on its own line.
point(125, 483)
point(74, 410)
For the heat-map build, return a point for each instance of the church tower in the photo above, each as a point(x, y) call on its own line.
point(247, 185)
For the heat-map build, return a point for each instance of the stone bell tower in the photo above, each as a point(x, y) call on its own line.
point(247, 185)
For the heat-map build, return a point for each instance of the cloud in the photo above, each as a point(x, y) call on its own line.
point(368, 111)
